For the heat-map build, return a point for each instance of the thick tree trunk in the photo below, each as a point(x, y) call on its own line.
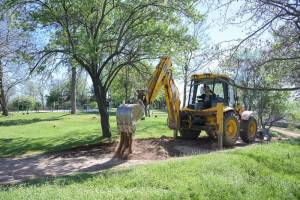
point(73, 91)
point(100, 95)
point(2, 93)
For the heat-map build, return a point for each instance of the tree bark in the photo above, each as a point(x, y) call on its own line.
point(126, 84)
point(100, 94)
point(2, 93)
point(73, 91)
point(185, 83)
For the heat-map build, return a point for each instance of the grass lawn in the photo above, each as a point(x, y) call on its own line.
point(269, 171)
point(48, 132)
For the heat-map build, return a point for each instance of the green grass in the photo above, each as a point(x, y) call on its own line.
point(49, 132)
point(269, 171)
point(275, 133)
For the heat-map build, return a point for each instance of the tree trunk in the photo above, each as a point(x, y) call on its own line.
point(126, 92)
point(2, 93)
point(43, 101)
point(185, 83)
point(126, 84)
point(73, 91)
point(100, 95)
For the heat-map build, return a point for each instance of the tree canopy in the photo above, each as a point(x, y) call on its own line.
point(104, 36)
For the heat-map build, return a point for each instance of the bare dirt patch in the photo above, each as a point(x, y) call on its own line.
point(93, 158)
point(286, 132)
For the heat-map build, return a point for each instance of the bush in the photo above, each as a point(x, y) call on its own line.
point(93, 105)
point(37, 106)
point(23, 103)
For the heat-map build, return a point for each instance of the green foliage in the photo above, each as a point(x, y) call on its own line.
point(23, 103)
point(294, 111)
point(37, 105)
point(128, 81)
point(105, 36)
point(93, 105)
point(58, 95)
point(124, 32)
point(270, 106)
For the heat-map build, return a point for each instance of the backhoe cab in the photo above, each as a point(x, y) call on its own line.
point(219, 88)
point(206, 91)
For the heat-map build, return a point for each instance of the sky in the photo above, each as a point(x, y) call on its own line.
point(217, 33)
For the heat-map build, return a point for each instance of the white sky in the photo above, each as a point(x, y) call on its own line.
point(217, 32)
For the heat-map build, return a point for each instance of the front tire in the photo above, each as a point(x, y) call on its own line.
point(249, 130)
point(231, 129)
point(189, 134)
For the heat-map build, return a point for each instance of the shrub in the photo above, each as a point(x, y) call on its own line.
point(93, 105)
point(23, 103)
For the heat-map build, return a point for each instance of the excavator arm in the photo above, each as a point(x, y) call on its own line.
point(129, 114)
point(162, 78)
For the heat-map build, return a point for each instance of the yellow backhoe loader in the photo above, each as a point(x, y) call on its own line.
point(212, 106)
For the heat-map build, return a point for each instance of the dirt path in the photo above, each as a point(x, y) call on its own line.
point(99, 157)
point(286, 132)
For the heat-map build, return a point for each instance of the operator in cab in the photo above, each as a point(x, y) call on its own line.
point(206, 97)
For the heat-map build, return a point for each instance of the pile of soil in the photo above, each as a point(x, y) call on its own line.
point(91, 158)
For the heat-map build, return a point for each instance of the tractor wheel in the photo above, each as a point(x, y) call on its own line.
point(189, 134)
point(231, 129)
point(248, 130)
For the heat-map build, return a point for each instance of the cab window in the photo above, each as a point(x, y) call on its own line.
point(231, 95)
point(218, 90)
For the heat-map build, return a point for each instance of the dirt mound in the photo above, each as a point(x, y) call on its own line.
point(98, 157)
point(147, 149)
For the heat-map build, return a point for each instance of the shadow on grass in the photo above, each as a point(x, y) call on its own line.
point(110, 113)
point(69, 179)
point(18, 122)
point(12, 147)
point(22, 168)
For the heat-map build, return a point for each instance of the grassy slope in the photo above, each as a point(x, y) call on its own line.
point(48, 132)
point(270, 171)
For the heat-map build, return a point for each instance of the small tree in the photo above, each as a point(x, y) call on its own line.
point(14, 54)
point(271, 107)
point(23, 103)
point(58, 95)
point(37, 106)
point(128, 81)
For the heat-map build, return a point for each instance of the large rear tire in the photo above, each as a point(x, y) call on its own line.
point(248, 130)
point(231, 129)
point(189, 134)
